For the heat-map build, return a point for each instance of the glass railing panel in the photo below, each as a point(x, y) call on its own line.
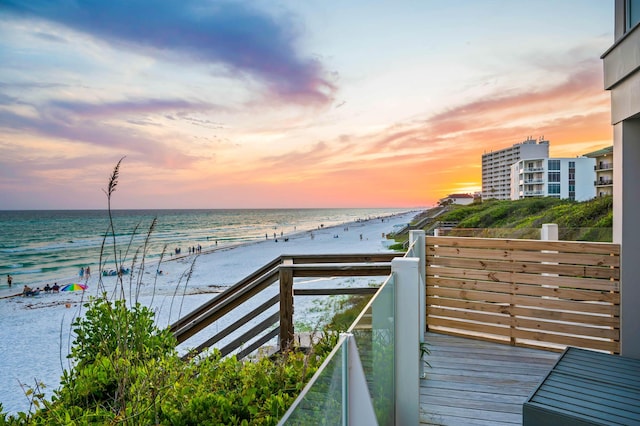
point(374, 333)
point(320, 402)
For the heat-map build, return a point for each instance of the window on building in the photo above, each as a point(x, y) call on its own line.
point(554, 177)
point(554, 188)
point(554, 164)
point(633, 13)
point(572, 164)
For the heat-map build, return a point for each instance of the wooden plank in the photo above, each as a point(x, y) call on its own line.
point(549, 326)
point(339, 269)
point(466, 403)
point(469, 326)
point(432, 389)
point(504, 363)
point(605, 272)
point(539, 336)
point(449, 420)
point(333, 291)
point(522, 244)
point(246, 337)
point(258, 343)
point(542, 337)
point(270, 269)
point(528, 290)
point(513, 277)
point(574, 329)
point(586, 308)
point(547, 314)
point(286, 308)
point(533, 302)
point(237, 324)
point(458, 391)
point(470, 385)
point(342, 258)
point(460, 416)
point(490, 253)
point(226, 305)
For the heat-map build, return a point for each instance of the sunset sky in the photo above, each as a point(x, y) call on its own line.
point(272, 103)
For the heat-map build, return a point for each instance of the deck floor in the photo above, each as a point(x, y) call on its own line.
point(474, 382)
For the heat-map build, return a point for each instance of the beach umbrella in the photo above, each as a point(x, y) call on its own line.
point(74, 287)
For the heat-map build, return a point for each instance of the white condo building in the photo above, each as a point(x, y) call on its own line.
point(496, 166)
point(570, 178)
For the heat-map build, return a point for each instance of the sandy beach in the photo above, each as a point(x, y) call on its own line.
point(35, 331)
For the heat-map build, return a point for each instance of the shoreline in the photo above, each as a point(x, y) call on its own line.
point(16, 290)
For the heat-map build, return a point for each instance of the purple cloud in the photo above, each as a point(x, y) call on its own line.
point(149, 150)
point(143, 106)
point(242, 39)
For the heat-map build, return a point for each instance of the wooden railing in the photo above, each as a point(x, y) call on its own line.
point(548, 294)
point(280, 323)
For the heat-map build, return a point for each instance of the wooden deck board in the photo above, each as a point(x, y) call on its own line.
point(475, 382)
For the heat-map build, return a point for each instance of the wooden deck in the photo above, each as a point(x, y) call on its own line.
point(473, 382)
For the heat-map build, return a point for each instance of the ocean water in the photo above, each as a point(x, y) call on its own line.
point(46, 246)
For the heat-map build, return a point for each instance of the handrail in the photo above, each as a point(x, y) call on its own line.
point(314, 265)
point(227, 304)
point(225, 294)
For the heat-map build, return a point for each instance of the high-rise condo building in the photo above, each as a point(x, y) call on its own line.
point(496, 166)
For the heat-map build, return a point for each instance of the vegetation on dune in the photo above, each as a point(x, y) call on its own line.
point(588, 220)
point(126, 371)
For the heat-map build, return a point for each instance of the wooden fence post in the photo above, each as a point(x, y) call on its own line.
point(286, 304)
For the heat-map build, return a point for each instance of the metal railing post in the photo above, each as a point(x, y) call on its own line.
point(407, 336)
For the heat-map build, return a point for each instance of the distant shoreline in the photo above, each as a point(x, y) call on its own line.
point(15, 291)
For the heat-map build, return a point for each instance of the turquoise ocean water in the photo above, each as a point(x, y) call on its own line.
point(39, 246)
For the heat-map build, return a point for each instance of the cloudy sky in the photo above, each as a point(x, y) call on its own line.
point(287, 103)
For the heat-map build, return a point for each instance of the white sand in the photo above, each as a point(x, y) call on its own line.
point(35, 332)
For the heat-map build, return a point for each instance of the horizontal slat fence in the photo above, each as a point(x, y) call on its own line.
point(544, 294)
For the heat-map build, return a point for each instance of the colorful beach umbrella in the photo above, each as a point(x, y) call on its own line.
point(74, 287)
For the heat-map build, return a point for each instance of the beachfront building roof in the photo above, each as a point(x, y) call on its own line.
point(622, 79)
point(496, 166)
point(604, 170)
point(462, 199)
point(567, 178)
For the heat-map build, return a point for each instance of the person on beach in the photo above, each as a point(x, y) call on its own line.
point(81, 273)
point(55, 288)
point(9, 280)
point(26, 291)
point(87, 273)
point(47, 288)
